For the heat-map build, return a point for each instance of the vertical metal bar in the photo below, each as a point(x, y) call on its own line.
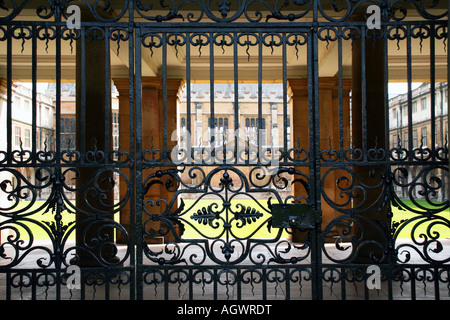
point(137, 162)
point(387, 145)
point(33, 283)
point(366, 293)
point(34, 93)
point(314, 111)
point(409, 79)
point(215, 284)
point(107, 98)
point(211, 90)
point(363, 91)
point(236, 98)
point(285, 110)
point(389, 279)
point(260, 69)
point(264, 284)
point(9, 95)
point(82, 142)
point(386, 91)
point(191, 287)
point(188, 94)
point(83, 286)
point(343, 286)
point(166, 284)
point(340, 98)
point(58, 93)
point(58, 285)
point(8, 286)
point(433, 91)
point(436, 283)
point(107, 284)
point(288, 285)
point(239, 284)
point(133, 153)
point(164, 94)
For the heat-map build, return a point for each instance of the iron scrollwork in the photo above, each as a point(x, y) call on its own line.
point(219, 224)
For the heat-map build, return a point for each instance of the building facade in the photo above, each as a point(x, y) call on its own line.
point(23, 139)
point(423, 104)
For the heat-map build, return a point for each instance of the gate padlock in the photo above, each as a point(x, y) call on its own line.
point(293, 215)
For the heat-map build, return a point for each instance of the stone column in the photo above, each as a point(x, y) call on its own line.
point(152, 139)
point(95, 195)
point(376, 137)
point(122, 86)
point(329, 135)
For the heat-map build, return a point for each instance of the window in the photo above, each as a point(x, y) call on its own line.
point(115, 128)
point(251, 130)
point(219, 132)
point(27, 138)
point(423, 104)
point(17, 138)
point(414, 107)
point(415, 139)
point(406, 144)
point(424, 137)
point(38, 140)
point(405, 110)
point(46, 119)
point(27, 106)
point(288, 137)
point(17, 104)
point(67, 136)
point(115, 123)
point(183, 133)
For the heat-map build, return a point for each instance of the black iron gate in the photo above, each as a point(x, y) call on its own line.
point(224, 150)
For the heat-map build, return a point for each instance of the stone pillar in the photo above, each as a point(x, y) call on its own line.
point(300, 125)
point(94, 235)
point(152, 139)
point(376, 136)
point(329, 135)
point(122, 86)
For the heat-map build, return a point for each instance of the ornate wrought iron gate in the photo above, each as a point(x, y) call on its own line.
point(225, 209)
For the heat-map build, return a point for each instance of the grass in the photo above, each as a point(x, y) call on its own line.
point(442, 227)
point(196, 228)
point(255, 224)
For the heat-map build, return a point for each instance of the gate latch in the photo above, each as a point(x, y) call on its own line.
point(294, 215)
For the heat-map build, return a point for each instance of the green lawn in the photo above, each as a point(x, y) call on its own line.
point(257, 225)
point(191, 230)
point(442, 226)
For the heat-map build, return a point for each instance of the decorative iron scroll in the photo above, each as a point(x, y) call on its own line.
point(357, 199)
point(223, 10)
point(220, 240)
point(24, 222)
